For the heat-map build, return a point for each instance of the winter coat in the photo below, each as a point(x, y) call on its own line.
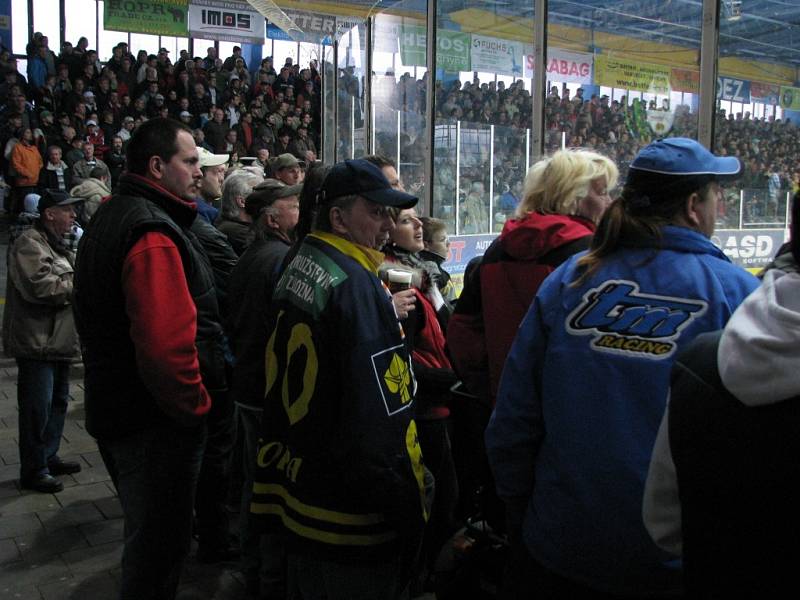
point(38, 322)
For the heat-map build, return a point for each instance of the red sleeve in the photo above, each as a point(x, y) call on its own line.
point(164, 326)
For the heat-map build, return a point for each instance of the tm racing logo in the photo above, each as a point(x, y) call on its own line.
point(625, 321)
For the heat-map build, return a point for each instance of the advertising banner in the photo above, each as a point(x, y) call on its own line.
point(749, 248)
point(573, 67)
point(735, 90)
point(5, 23)
point(493, 55)
point(684, 80)
point(790, 97)
point(316, 27)
point(765, 92)
point(159, 17)
point(453, 48)
point(463, 248)
point(632, 75)
point(226, 21)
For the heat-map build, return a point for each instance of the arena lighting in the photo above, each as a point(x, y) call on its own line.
point(277, 17)
point(732, 9)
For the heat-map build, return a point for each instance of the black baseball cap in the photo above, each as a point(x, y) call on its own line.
point(51, 198)
point(361, 178)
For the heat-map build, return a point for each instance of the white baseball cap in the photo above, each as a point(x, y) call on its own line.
point(207, 159)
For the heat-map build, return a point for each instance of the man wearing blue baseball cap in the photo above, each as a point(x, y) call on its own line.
point(339, 471)
point(586, 381)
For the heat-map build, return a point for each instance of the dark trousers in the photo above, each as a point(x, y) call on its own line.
point(263, 555)
point(213, 525)
point(156, 473)
point(434, 440)
point(42, 396)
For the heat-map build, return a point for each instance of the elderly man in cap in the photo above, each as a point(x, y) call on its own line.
point(82, 168)
point(274, 209)
point(39, 332)
point(339, 470)
point(213, 168)
point(287, 169)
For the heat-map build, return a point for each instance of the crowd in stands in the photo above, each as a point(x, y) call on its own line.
point(617, 129)
point(70, 113)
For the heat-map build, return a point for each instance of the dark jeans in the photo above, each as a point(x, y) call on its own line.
point(42, 396)
point(317, 579)
point(213, 526)
point(156, 472)
point(263, 555)
point(434, 440)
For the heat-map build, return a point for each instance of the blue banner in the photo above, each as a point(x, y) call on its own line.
point(276, 33)
point(5, 23)
point(734, 90)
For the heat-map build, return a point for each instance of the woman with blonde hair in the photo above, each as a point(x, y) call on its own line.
point(564, 197)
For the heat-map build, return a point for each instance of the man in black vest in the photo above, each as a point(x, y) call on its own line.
point(144, 305)
point(725, 458)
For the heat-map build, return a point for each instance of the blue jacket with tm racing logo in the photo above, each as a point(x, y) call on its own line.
point(582, 394)
point(338, 470)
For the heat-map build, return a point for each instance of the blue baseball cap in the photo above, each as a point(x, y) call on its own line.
point(684, 156)
point(361, 178)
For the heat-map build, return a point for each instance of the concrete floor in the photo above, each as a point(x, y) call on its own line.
point(68, 545)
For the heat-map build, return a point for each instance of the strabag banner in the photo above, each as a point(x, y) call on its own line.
point(159, 17)
point(573, 67)
point(226, 21)
point(493, 55)
point(632, 75)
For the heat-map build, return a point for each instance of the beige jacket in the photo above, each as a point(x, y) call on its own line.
point(38, 321)
point(92, 191)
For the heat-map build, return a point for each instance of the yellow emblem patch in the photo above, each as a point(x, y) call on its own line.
point(398, 378)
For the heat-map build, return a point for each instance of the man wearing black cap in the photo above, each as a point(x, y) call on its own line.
point(39, 332)
point(339, 472)
point(274, 209)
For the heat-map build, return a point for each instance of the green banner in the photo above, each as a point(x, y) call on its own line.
point(160, 17)
point(790, 97)
point(453, 48)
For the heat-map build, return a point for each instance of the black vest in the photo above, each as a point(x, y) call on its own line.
point(736, 467)
point(116, 399)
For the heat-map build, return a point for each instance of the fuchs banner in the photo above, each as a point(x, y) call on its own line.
point(159, 17)
point(226, 21)
point(493, 55)
point(574, 67)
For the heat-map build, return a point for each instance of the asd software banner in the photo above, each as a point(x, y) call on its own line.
point(160, 17)
point(226, 21)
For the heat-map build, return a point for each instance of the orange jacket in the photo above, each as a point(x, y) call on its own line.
point(27, 162)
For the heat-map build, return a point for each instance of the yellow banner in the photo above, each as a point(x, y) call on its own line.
point(631, 75)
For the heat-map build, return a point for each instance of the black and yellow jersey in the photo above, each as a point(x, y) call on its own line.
point(339, 469)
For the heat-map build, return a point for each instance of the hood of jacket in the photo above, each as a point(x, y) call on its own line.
point(757, 357)
point(534, 235)
point(90, 187)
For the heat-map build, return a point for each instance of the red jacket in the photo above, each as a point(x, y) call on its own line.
point(498, 292)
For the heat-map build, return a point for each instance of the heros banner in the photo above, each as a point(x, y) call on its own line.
point(632, 75)
point(226, 21)
point(160, 17)
point(453, 48)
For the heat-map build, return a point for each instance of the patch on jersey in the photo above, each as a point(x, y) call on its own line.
point(395, 379)
point(309, 280)
point(625, 321)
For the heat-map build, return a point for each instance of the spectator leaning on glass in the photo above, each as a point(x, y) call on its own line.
point(39, 331)
point(585, 383)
